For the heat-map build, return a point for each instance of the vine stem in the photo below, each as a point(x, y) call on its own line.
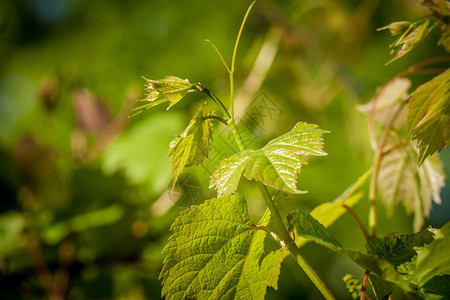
point(286, 238)
point(380, 152)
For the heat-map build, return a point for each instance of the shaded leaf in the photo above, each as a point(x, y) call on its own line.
point(381, 288)
point(401, 180)
point(216, 252)
point(192, 146)
point(277, 164)
point(384, 106)
point(310, 228)
point(429, 115)
point(398, 249)
point(433, 259)
point(170, 89)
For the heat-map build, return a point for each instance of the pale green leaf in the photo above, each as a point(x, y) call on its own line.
point(429, 115)
point(192, 146)
point(277, 164)
point(433, 259)
point(216, 252)
point(384, 106)
point(402, 181)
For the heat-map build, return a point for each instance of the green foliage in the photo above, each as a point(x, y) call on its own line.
point(429, 115)
point(277, 164)
point(433, 259)
point(217, 252)
point(192, 146)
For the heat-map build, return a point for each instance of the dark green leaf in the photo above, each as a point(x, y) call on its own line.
point(216, 252)
point(429, 115)
point(310, 228)
point(277, 164)
point(192, 146)
point(381, 288)
point(398, 249)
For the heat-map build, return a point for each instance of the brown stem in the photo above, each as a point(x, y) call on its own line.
point(415, 69)
point(363, 295)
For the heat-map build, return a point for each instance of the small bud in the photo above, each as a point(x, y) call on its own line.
point(397, 28)
point(171, 89)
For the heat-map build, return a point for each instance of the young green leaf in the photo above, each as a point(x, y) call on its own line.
point(401, 180)
point(433, 259)
point(216, 252)
point(429, 115)
point(192, 146)
point(307, 226)
point(170, 89)
point(277, 164)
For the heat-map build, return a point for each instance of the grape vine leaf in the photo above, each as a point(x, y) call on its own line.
point(429, 115)
point(307, 226)
point(384, 106)
point(216, 252)
point(170, 89)
point(402, 180)
point(433, 259)
point(192, 146)
point(398, 249)
point(277, 164)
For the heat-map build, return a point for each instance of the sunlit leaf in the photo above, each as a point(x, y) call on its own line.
point(170, 89)
point(396, 28)
point(216, 252)
point(384, 106)
point(277, 164)
point(401, 180)
point(308, 227)
point(192, 146)
point(429, 115)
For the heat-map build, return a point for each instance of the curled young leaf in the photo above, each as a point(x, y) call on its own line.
point(396, 28)
point(277, 164)
point(410, 38)
point(192, 146)
point(170, 89)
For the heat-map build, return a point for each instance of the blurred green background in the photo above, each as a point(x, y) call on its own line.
point(85, 211)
